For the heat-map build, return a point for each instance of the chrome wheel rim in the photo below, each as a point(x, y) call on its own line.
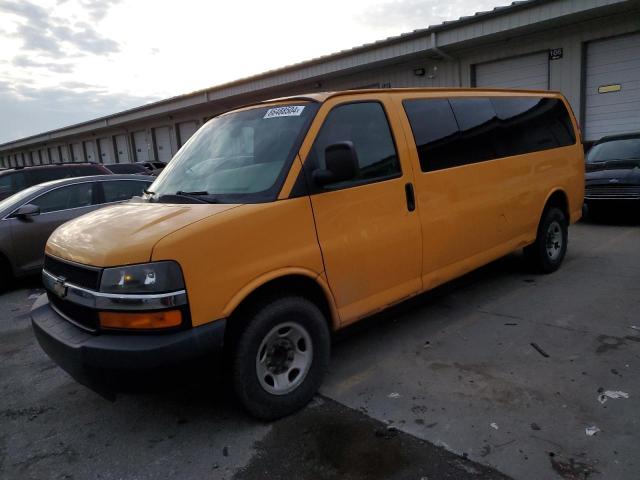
point(554, 240)
point(284, 358)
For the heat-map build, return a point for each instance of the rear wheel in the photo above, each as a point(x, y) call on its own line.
point(280, 357)
point(546, 254)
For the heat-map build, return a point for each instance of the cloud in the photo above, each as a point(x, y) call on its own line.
point(25, 62)
point(414, 14)
point(98, 9)
point(43, 33)
point(27, 110)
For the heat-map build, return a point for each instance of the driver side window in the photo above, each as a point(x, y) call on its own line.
point(64, 198)
point(365, 124)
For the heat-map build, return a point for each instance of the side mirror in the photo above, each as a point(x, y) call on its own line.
point(27, 211)
point(342, 164)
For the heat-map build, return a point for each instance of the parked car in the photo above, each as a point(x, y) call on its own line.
point(613, 172)
point(14, 179)
point(284, 221)
point(129, 168)
point(154, 168)
point(29, 216)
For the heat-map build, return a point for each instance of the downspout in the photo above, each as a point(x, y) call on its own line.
point(434, 47)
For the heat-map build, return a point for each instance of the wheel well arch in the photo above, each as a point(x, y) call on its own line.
point(558, 198)
point(307, 286)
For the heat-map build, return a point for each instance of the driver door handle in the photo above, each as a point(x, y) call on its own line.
point(411, 198)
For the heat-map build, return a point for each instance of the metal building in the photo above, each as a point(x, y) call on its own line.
point(587, 49)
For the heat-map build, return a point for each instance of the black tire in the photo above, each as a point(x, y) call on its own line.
point(553, 226)
point(6, 275)
point(261, 323)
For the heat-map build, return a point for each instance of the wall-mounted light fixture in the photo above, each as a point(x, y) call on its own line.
point(419, 72)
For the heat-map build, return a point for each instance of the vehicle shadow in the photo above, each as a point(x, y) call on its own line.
point(30, 282)
point(618, 216)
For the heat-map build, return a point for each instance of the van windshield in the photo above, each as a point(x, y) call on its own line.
point(238, 157)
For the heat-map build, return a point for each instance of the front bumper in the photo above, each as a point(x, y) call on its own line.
point(93, 359)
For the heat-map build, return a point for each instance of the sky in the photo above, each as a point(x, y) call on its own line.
point(68, 61)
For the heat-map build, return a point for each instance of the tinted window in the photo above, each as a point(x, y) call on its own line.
point(63, 198)
point(485, 128)
point(435, 131)
point(41, 175)
point(121, 190)
point(85, 170)
point(6, 185)
point(364, 124)
point(126, 168)
point(477, 124)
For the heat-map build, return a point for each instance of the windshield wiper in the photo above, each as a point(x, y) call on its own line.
point(197, 193)
point(197, 196)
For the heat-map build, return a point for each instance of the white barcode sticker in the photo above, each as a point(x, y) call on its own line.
point(288, 111)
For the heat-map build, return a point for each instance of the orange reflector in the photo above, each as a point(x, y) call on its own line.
point(141, 320)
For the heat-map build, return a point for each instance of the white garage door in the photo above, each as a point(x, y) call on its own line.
point(106, 150)
point(163, 143)
point(529, 72)
point(612, 87)
point(76, 150)
point(54, 155)
point(186, 129)
point(140, 146)
point(90, 149)
point(64, 152)
point(122, 149)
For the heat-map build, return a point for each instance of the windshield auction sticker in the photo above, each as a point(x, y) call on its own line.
point(288, 111)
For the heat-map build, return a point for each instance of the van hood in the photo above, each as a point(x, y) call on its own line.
point(125, 233)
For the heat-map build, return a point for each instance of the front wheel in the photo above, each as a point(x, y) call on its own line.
point(546, 254)
point(280, 357)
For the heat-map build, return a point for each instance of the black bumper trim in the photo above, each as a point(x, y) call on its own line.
point(88, 357)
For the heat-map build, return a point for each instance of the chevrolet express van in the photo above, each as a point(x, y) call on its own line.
point(279, 223)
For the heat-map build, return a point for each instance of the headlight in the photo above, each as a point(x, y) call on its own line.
point(156, 277)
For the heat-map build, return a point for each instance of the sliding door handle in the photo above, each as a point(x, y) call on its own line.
point(411, 198)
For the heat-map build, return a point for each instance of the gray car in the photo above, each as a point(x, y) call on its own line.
point(30, 216)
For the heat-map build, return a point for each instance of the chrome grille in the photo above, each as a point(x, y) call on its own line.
point(612, 191)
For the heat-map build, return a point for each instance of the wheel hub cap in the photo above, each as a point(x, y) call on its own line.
point(554, 240)
point(284, 358)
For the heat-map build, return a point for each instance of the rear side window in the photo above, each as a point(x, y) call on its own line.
point(121, 190)
point(64, 198)
point(85, 170)
point(126, 168)
point(486, 128)
point(7, 184)
point(41, 175)
point(365, 124)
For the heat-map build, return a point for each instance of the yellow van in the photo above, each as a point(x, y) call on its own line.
point(282, 222)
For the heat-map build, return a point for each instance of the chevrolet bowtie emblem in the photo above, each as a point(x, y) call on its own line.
point(59, 287)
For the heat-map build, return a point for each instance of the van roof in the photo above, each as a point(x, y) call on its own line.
point(323, 96)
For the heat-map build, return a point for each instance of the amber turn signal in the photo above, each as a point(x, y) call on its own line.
point(141, 320)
